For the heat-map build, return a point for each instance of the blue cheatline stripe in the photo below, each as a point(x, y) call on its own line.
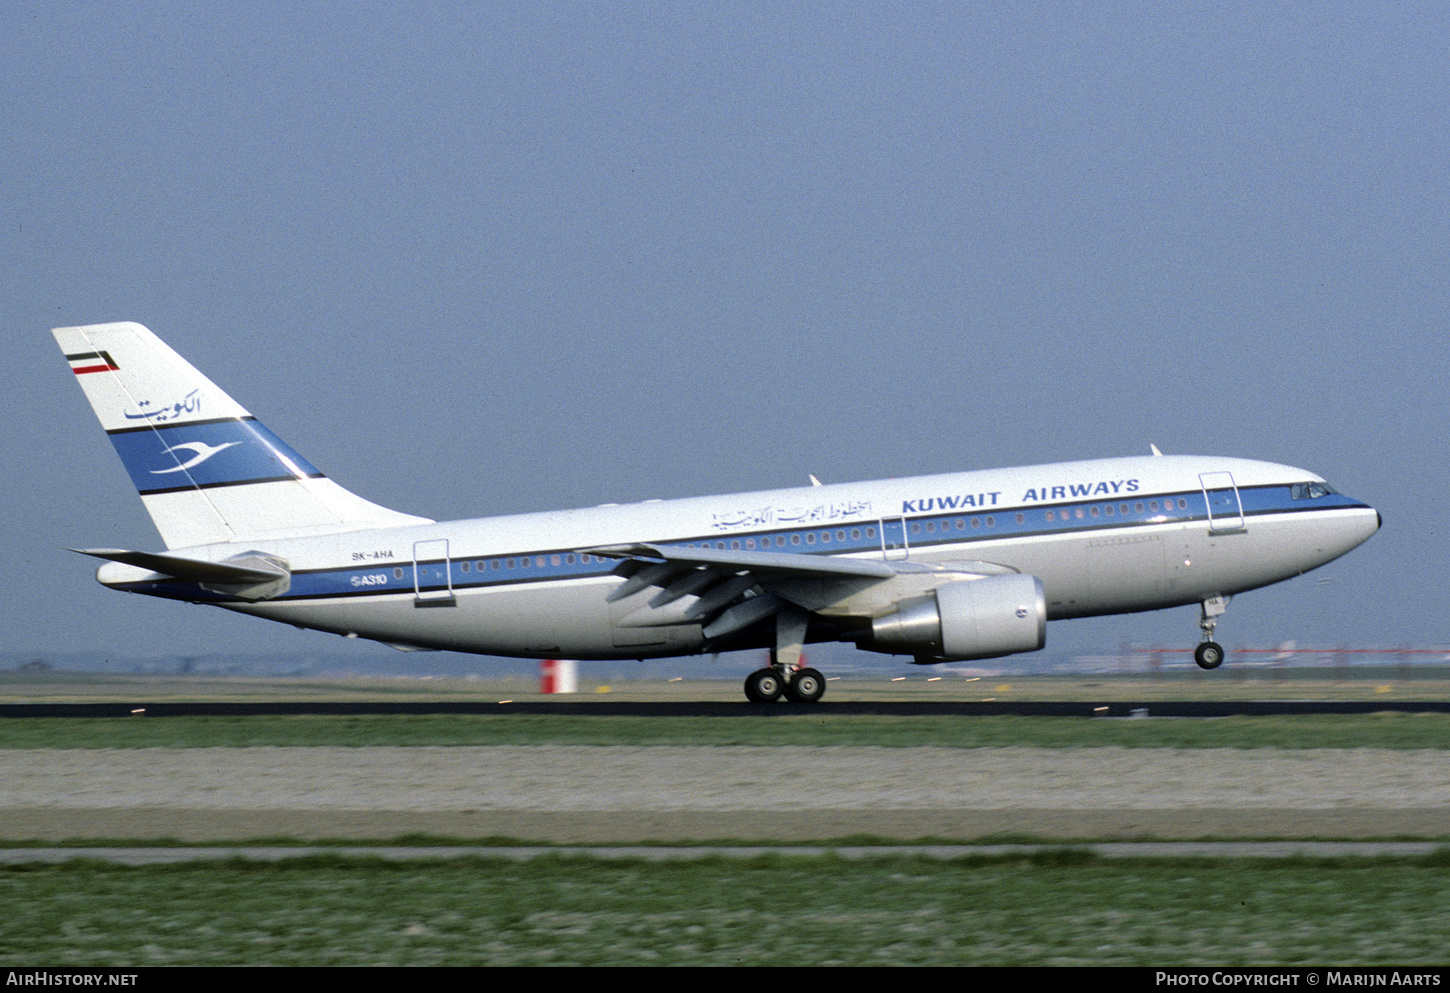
point(164, 458)
point(396, 576)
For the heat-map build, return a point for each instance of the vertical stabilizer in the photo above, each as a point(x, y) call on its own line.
point(206, 470)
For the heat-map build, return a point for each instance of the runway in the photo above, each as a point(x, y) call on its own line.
point(741, 709)
point(754, 792)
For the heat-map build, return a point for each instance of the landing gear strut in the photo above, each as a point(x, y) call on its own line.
point(785, 676)
point(1209, 653)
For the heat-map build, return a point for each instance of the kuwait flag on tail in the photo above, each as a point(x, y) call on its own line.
point(84, 362)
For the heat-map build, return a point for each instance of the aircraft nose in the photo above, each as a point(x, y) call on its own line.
point(1367, 530)
point(1358, 526)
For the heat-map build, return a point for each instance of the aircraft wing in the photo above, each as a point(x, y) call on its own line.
point(736, 588)
point(763, 562)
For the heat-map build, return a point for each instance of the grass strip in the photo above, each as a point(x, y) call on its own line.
point(1057, 907)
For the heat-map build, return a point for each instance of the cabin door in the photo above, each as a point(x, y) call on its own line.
point(1225, 509)
point(893, 538)
point(432, 573)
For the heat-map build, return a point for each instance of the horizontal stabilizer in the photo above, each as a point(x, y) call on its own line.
point(250, 576)
point(177, 567)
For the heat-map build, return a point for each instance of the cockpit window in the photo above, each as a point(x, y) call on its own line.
point(1310, 491)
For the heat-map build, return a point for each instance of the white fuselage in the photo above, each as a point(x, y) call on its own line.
point(962, 566)
point(1104, 536)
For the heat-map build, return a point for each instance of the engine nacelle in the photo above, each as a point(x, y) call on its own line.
point(969, 619)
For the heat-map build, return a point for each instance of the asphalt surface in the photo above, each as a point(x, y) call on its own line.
point(742, 709)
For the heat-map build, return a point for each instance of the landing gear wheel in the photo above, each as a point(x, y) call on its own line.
point(806, 686)
point(1208, 655)
point(763, 686)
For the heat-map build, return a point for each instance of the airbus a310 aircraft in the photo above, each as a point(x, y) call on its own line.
point(967, 565)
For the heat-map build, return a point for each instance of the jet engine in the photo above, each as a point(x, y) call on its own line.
point(968, 619)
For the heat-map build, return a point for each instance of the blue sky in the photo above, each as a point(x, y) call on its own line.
point(473, 259)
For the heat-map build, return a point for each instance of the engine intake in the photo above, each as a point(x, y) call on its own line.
point(970, 619)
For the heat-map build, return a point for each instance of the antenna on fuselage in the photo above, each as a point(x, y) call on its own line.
point(1155, 449)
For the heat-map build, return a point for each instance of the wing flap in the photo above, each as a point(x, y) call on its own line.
point(756, 562)
point(731, 589)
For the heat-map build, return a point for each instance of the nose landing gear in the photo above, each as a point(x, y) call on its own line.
point(1209, 653)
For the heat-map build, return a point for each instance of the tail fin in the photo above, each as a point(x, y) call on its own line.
point(206, 470)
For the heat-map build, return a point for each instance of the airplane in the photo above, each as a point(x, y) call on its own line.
point(943, 568)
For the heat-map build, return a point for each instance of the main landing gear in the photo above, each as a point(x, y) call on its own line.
point(1209, 653)
point(771, 683)
point(785, 676)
